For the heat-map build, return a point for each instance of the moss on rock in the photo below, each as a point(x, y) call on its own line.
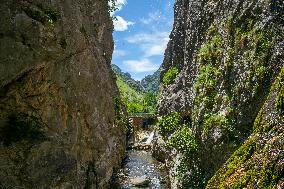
point(170, 76)
point(257, 163)
point(280, 97)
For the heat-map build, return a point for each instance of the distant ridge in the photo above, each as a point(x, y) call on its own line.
point(138, 96)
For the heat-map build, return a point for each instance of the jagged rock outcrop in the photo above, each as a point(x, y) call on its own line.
point(219, 66)
point(60, 118)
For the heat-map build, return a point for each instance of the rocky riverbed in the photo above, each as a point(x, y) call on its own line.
point(140, 169)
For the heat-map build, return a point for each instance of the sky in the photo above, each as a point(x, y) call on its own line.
point(142, 29)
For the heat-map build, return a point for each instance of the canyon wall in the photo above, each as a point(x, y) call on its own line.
point(218, 73)
point(61, 123)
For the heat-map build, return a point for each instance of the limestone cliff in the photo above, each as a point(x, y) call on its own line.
point(60, 118)
point(259, 162)
point(221, 61)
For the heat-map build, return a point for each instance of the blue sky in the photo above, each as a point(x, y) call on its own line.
point(141, 34)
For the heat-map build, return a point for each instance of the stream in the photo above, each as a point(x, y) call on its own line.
point(141, 170)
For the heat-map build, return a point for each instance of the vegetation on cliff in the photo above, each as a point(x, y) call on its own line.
point(134, 96)
point(258, 163)
point(231, 59)
point(170, 76)
point(151, 83)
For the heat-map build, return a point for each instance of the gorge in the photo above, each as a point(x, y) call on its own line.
point(218, 99)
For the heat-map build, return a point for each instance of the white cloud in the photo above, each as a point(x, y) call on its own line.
point(152, 44)
point(120, 24)
point(155, 49)
point(119, 53)
point(118, 5)
point(139, 66)
point(152, 18)
point(156, 37)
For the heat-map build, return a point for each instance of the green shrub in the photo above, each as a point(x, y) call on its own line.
point(215, 120)
point(212, 51)
point(150, 102)
point(169, 123)
point(170, 76)
point(205, 88)
point(133, 108)
point(183, 140)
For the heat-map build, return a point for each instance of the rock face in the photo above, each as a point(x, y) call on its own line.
point(259, 162)
point(219, 67)
point(60, 118)
point(159, 149)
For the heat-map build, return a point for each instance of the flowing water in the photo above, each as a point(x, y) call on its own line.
point(139, 164)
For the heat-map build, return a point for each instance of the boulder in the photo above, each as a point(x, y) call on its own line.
point(140, 181)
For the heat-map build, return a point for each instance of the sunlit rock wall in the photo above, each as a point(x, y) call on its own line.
point(59, 109)
point(228, 54)
point(259, 162)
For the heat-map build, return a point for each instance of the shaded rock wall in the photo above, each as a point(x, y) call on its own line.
point(228, 54)
point(58, 115)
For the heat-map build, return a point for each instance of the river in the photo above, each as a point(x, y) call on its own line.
point(140, 165)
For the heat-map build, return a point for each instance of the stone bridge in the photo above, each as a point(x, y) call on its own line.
point(141, 121)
